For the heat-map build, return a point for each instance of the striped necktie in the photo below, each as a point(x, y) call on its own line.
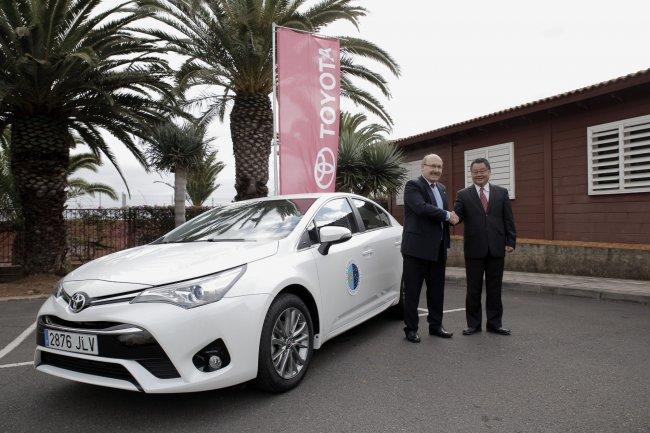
point(484, 200)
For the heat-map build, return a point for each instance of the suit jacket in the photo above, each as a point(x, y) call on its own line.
point(483, 232)
point(422, 229)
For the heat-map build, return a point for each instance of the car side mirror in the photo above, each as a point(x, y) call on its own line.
point(331, 235)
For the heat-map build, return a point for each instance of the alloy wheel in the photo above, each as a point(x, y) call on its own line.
point(289, 343)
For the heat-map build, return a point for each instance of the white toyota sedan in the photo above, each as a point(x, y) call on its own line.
point(245, 291)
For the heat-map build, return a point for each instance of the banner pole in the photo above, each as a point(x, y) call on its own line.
point(274, 142)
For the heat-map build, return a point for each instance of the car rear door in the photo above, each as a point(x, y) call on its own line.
point(381, 254)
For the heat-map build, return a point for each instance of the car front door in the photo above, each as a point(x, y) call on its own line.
point(341, 272)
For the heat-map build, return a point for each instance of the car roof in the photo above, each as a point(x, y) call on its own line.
point(308, 195)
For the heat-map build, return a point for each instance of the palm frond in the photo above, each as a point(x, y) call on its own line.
point(368, 164)
point(227, 44)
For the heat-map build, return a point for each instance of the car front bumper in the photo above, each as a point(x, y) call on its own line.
point(180, 334)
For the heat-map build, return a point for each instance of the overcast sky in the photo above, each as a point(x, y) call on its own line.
point(459, 60)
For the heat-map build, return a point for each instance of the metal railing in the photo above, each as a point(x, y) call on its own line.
point(92, 233)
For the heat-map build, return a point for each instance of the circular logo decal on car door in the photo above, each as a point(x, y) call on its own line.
point(352, 275)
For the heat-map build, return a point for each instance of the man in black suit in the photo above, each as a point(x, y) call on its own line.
point(488, 233)
point(424, 247)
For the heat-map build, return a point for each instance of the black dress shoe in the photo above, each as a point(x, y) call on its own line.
point(439, 331)
point(500, 330)
point(413, 337)
point(470, 330)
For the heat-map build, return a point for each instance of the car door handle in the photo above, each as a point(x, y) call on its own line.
point(367, 253)
point(398, 243)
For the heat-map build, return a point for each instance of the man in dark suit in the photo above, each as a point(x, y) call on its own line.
point(424, 247)
point(488, 233)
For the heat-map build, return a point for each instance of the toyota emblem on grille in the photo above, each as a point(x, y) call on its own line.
point(78, 302)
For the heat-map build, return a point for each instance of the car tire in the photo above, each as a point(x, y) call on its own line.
point(274, 376)
point(397, 311)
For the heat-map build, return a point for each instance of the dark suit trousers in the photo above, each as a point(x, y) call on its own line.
point(492, 267)
point(433, 273)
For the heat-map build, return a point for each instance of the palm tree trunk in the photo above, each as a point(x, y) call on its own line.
point(39, 159)
point(251, 127)
point(180, 188)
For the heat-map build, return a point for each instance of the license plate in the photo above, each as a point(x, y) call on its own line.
point(71, 342)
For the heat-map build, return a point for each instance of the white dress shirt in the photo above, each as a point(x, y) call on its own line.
point(486, 191)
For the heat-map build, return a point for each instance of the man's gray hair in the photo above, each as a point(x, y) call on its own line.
point(429, 156)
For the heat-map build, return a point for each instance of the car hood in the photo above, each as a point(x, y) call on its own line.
point(155, 264)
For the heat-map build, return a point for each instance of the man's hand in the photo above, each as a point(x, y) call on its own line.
point(509, 249)
point(453, 218)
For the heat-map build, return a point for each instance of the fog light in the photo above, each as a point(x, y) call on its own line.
point(214, 362)
point(212, 357)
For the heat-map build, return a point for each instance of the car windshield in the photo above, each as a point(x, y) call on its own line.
point(241, 222)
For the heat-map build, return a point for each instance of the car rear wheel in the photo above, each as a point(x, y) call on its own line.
point(286, 344)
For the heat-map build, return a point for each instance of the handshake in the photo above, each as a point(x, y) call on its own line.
point(453, 218)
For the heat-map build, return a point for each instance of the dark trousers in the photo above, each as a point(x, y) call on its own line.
point(492, 267)
point(416, 271)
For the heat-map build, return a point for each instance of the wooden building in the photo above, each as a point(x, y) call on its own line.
point(577, 164)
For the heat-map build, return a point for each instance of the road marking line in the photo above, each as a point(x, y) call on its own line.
point(11, 346)
point(445, 311)
point(17, 364)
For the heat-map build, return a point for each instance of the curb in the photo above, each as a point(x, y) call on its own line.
point(638, 297)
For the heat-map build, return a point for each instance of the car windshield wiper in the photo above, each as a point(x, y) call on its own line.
point(208, 240)
point(228, 240)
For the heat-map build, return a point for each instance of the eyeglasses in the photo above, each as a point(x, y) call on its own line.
point(480, 171)
point(433, 165)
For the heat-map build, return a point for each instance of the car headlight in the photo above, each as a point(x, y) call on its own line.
point(193, 293)
point(58, 289)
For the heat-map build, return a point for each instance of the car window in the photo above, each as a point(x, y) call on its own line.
point(383, 216)
point(336, 213)
point(308, 237)
point(370, 215)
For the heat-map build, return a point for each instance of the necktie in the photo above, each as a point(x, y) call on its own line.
point(484, 200)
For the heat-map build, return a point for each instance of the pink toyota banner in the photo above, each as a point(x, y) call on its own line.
point(308, 98)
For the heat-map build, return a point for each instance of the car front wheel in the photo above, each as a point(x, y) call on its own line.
point(286, 344)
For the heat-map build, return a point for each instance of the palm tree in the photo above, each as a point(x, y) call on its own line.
point(228, 46)
point(9, 205)
point(368, 164)
point(78, 186)
point(71, 66)
point(177, 148)
point(201, 181)
point(4, 139)
point(9, 209)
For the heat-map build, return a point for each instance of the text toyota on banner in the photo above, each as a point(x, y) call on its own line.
point(308, 99)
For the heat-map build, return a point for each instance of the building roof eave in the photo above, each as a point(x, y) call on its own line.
point(540, 105)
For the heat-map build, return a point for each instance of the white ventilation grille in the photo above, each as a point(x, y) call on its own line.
point(619, 156)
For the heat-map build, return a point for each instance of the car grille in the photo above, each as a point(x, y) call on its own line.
point(140, 346)
point(87, 366)
point(161, 368)
point(89, 326)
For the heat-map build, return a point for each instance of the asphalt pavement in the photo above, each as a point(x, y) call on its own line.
point(572, 365)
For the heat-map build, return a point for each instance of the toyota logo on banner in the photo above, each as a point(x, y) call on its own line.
point(78, 302)
point(325, 168)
